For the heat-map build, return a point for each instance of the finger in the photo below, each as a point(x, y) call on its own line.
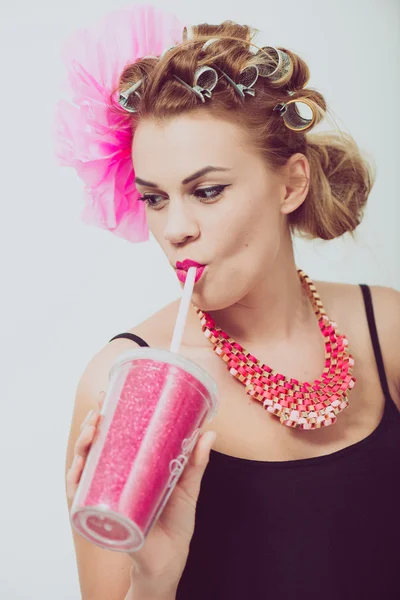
point(201, 454)
point(73, 476)
point(87, 419)
point(84, 441)
point(91, 418)
point(178, 517)
point(191, 477)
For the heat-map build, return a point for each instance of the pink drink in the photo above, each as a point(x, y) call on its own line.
point(156, 404)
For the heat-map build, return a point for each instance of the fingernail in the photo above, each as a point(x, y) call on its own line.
point(75, 461)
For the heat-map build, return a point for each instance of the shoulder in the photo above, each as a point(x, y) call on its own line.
point(95, 377)
point(344, 303)
point(155, 330)
point(386, 303)
point(382, 297)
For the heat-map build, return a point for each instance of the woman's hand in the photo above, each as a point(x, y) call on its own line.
point(163, 557)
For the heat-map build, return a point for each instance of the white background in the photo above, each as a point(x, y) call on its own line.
point(67, 288)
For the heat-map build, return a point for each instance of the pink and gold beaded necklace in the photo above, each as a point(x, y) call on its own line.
point(298, 404)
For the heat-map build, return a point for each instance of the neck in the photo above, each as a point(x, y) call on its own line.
point(276, 310)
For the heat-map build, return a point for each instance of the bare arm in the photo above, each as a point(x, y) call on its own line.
point(103, 574)
point(155, 570)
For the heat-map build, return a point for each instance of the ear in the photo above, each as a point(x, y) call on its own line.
point(296, 182)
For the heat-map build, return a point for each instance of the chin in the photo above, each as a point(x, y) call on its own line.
point(211, 304)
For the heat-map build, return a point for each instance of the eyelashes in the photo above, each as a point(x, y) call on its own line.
point(210, 193)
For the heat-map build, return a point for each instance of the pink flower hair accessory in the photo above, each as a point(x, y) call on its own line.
point(89, 136)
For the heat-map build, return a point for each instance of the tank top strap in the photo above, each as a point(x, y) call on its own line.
point(369, 309)
point(131, 336)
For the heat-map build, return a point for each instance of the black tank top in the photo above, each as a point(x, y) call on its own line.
point(322, 528)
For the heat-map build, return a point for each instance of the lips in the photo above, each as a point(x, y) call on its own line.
point(186, 264)
point(182, 274)
point(183, 267)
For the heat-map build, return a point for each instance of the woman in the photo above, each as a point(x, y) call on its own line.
point(288, 503)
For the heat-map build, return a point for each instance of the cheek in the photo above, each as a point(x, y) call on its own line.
point(156, 224)
point(254, 227)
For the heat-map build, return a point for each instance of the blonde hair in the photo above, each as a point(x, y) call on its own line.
point(340, 177)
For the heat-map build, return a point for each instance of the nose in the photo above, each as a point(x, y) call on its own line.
point(181, 224)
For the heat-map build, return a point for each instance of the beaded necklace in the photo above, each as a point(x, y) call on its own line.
point(298, 404)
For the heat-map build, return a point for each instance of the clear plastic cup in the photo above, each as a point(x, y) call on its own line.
point(155, 406)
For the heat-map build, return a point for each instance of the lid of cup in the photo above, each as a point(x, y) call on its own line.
point(172, 358)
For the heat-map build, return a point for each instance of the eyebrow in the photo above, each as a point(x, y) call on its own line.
point(192, 177)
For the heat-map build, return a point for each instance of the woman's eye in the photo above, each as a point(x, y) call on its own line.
point(210, 193)
point(148, 199)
